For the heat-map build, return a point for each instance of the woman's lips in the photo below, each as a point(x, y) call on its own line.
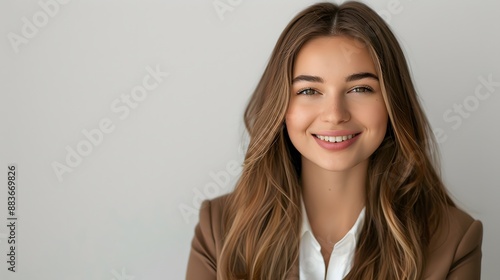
point(335, 143)
point(336, 139)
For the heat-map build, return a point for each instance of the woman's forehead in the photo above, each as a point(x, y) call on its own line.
point(333, 56)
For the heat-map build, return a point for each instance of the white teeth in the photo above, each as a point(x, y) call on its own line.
point(335, 139)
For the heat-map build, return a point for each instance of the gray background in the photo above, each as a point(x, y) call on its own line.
point(128, 209)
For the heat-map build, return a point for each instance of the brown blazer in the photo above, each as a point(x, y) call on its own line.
point(455, 250)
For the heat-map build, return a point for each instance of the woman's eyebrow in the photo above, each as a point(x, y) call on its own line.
point(359, 76)
point(307, 78)
point(350, 78)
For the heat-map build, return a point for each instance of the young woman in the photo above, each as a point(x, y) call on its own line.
point(339, 179)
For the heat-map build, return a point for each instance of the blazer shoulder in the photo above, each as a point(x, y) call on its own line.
point(210, 219)
point(217, 204)
point(211, 213)
point(455, 247)
point(456, 226)
point(469, 233)
point(207, 241)
point(459, 217)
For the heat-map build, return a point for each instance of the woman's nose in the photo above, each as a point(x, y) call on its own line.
point(335, 110)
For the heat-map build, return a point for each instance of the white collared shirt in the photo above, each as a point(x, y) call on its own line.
point(312, 264)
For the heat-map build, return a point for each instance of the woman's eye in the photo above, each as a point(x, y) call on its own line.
point(362, 90)
point(307, 91)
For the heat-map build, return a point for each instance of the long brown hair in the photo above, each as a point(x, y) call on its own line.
point(405, 195)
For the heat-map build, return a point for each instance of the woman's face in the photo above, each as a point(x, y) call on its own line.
point(337, 116)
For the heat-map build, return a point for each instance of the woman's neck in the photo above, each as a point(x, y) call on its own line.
point(333, 199)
